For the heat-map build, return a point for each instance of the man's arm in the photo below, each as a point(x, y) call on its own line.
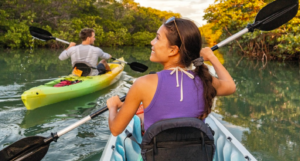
point(65, 54)
point(103, 55)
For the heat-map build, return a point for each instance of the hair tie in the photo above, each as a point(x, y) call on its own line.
point(198, 62)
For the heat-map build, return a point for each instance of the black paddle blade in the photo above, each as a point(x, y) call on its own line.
point(138, 67)
point(31, 148)
point(40, 33)
point(276, 14)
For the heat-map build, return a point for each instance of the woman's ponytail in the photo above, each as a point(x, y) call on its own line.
point(209, 91)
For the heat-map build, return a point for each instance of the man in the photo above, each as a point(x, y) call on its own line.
point(86, 53)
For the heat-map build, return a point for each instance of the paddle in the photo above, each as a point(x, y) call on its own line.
point(34, 148)
point(134, 65)
point(268, 18)
point(44, 35)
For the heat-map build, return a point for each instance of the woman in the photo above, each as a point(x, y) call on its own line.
point(175, 91)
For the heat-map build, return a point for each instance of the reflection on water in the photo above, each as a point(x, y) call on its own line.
point(267, 102)
point(263, 114)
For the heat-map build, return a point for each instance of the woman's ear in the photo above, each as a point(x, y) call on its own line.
point(174, 50)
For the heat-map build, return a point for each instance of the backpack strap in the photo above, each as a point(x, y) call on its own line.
point(130, 136)
point(78, 54)
point(89, 53)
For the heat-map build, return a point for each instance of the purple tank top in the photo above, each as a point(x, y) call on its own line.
point(166, 101)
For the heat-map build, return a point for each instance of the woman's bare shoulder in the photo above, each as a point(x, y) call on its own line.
point(147, 79)
point(145, 86)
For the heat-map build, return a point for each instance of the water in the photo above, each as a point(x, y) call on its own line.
point(263, 114)
point(266, 107)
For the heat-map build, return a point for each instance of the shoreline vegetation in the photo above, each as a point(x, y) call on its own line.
point(126, 23)
point(116, 22)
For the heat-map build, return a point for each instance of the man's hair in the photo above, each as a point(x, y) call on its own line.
point(86, 32)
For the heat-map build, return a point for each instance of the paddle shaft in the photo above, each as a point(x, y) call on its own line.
point(82, 121)
point(231, 38)
point(63, 41)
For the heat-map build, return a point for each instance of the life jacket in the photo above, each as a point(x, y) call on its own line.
point(85, 67)
point(178, 139)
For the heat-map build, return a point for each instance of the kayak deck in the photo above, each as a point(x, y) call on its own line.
point(115, 150)
point(228, 148)
point(48, 94)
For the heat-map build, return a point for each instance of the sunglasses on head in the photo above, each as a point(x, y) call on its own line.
point(173, 19)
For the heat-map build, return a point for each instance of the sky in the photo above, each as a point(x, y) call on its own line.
point(191, 9)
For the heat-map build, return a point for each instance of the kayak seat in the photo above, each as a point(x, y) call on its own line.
point(85, 67)
point(86, 70)
point(127, 149)
point(178, 139)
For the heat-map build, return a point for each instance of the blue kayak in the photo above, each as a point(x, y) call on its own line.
point(228, 148)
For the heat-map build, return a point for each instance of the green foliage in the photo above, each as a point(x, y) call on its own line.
point(16, 36)
point(116, 23)
point(142, 38)
point(117, 38)
point(231, 16)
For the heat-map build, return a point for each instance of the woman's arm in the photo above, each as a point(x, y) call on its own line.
point(118, 120)
point(224, 84)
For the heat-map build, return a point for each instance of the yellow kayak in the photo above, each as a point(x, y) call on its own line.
point(48, 94)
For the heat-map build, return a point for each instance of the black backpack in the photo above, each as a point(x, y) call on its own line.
point(178, 139)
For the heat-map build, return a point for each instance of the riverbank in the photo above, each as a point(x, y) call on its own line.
point(116, 23)
point(264, 56)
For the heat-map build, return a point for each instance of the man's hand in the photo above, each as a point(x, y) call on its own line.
point(71, 45)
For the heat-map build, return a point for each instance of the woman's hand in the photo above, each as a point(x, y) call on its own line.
point(114, 103)
point(207, 53)
point(224, 84)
